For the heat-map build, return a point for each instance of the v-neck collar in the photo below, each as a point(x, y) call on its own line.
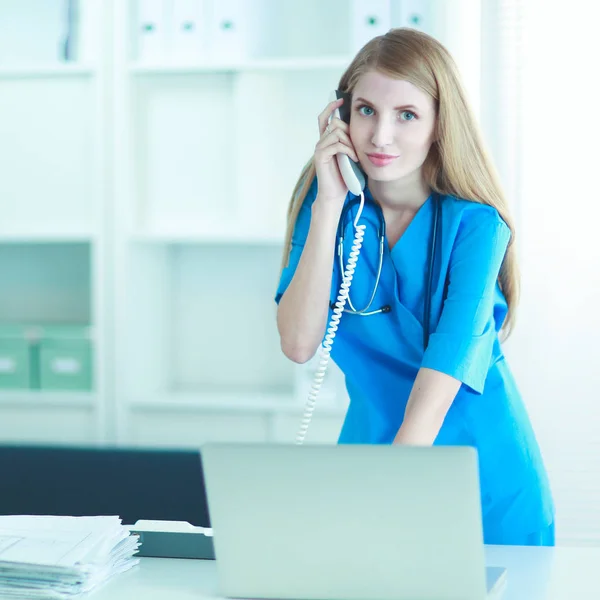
point(422, 210)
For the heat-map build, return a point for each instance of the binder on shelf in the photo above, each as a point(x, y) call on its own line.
point(84, 43)
point(71, 32)
point(151, 30)
point(369, 19)
point(228, 30)
point(188, 30)
point(417, 14)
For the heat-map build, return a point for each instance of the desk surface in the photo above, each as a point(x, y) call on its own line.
point(560, 573)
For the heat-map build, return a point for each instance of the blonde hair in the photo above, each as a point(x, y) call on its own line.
point(458, 163)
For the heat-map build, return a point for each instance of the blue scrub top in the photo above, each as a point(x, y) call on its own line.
point(381, 354)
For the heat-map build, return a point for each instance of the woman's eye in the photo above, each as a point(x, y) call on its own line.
point(407, 115)
point(367, 111)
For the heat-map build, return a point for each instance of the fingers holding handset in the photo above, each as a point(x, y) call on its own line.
point(333, 129)
point(334, 139)
point(327, 114)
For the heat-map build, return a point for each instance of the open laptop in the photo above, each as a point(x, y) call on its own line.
point(347, 522)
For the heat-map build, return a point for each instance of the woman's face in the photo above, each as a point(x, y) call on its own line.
point(392, 126)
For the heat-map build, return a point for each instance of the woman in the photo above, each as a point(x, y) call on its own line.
point(417, 373)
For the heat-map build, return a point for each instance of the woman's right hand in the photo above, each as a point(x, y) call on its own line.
point(335, 138)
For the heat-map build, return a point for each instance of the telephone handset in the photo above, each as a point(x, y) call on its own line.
point(355, 180)
point(351, 171)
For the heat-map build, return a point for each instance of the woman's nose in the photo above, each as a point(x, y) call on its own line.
point(383, 133)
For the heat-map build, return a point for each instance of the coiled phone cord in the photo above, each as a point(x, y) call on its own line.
point(325, 348)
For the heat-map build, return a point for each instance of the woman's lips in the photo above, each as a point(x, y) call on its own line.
point(381, 160)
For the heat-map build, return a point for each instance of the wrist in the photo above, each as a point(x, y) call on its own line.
point(412, 435)
point(326, 208)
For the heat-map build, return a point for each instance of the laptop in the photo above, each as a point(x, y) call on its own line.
point(347, 522)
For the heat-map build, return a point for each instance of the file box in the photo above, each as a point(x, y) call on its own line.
point(15, 358)
point(65, 358)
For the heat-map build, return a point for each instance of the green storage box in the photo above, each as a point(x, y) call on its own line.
point(45, 356)
point(15, 364)
point(18, 356)
point(65, 358)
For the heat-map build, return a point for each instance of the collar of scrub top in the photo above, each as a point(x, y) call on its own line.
point(386, 308)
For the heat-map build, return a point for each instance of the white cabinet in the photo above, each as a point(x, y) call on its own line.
point(53, 201)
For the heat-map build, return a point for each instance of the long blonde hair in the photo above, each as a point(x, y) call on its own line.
point(458, 163)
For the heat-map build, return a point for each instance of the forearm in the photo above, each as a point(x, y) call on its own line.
point(303, 309)
point(430, 399)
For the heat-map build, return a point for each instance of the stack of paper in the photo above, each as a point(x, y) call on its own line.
point(59, 557)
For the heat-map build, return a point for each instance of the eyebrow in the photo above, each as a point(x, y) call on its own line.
point(404, 107)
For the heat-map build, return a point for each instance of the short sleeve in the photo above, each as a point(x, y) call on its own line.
point(463, 341)
point(299, 236)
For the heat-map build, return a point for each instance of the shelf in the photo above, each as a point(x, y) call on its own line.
point(210, 236)
point(41, 237)
point(238, 402)
point(40, 398)
point(282, 64)
point(50, 70)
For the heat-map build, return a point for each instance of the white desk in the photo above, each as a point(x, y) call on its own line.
point(533, 574)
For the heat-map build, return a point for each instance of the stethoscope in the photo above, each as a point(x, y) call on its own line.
point(386, 308)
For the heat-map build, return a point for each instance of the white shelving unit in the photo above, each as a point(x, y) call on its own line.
point(168, 177)
point(210, 149)
point(53, 201)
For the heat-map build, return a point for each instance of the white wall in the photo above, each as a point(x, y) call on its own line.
point(555, 349)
